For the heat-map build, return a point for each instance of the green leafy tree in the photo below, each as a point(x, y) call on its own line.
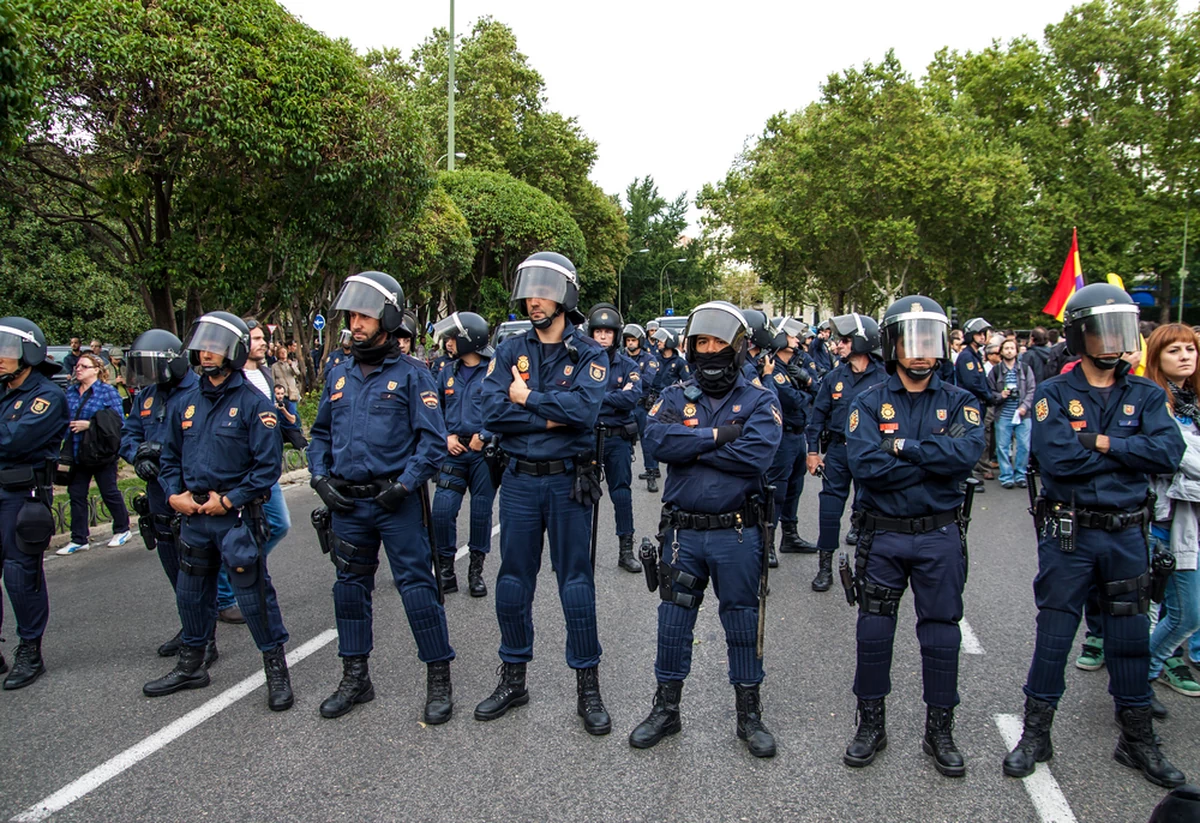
point(19, 81)
point(656, 280)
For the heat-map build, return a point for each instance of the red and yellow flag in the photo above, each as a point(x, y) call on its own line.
point(1069, 281)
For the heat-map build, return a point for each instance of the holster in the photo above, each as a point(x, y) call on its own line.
point(496, 460)
point(824, 439)
point(141, 505)
point(35, 526)
point(322, 521)
point(1162, 566)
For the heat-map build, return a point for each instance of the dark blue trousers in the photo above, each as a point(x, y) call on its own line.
point(783, 472)
point(795, 482)
point(618, 471)
point(733, 564)
point(196, 595)
point(933, 563)
point(1061, 589)
point(640, 414)
point(23, 576)
point(168, 552)
point(835, 489)
point(406, 542)
point(447, 500)
point(531, 507)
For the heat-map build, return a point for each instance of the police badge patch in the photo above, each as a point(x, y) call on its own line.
point(781, 378)
point(838, 387)
point(39, 405)
point(1128, 409)
point(887, 412)
point(972, 415)
point(689, 410)
point(567, 370)
point(341, 381)
point(1041, 410)
point(941, 414)
point(1075, 408)
point(522, 363)
point(654, 409)
point(778, 417)
point(853, 420)
point(491, 366)
point(449, 382)
point(970, 365)
point(149, 401)
point(268, 419)
point(189, 412)
point(429, 399)
point(597, 372)
point(233, 412)
point(392, 384)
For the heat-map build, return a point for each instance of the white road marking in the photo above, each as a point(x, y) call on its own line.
point(464, 548)
point(139, 751)
point(970, 643)
point(1048, 799)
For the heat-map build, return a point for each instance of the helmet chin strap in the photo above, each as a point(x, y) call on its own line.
point(545, 322)
point(915, 374)
point(5, 379)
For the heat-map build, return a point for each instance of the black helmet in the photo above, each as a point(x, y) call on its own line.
point(921, 324)
point(665, 338)
point(1182, 805)
point(863, 331)
point(635, 331)
point(157, 356)
point(374, 294)
point(976, 325)
point(221, 333)
point(1105, 313)
point(468, 329)
point(408, 325)
point(23, 340)
point(789, 327)
point(652, 327)
point(606, 316)
point(761, 334)
point(719, 319)
point(549, 276)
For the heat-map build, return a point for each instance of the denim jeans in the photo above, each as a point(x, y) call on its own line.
point(1180, 618)
point(279, 521)
point(1012, 468)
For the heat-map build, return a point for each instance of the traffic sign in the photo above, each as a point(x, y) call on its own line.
point(272, 327)
point(319, 322)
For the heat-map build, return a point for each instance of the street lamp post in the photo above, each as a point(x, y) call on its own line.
point(621, 271)
point(1183, 272)
point(450, 153)
point(661, 272)
point(458, 154)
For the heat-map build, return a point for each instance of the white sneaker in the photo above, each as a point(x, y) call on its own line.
point(71, 548)
point(118, 539)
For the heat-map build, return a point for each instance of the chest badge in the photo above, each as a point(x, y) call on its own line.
point(1129, 409)
point(341, 381)
point(597, 372)
point(737, 408)
point(1075, 408)
point(853, 420)
point(689, 410)
point(233, 412)
point(449, 383)
point(887, 412)
point(522, 363)
point(189, 413)
point(429, 399)
point(568, 370)
point(839, 386)
point(970, 365)
point(39, 405)
point(392, 384)
point(941, 415)
point(149, 402)
point(1041, 410)
point(18, 404)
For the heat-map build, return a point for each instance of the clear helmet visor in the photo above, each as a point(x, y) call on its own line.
point(12, 342)
point(145, 368)
point(448, 327)
point(213, 337)
point(663, 336)
point(1111, 333)
point(361, 297)
point(847, 325)
point(792, 327)
point(720, 323)
point(917, 337)
point(542, 283)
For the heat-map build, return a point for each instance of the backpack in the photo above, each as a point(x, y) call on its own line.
point(101, 442)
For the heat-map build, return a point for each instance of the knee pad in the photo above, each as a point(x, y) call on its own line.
point(352, 559)
point(35, 527)
point(875, 599)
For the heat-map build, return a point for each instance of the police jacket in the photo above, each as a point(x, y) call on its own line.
point(705, 477)
point(670, 371)
point(221, 439)
point(33, 421)
point(461, 390)
point(1144, 439)
point(386, 425)
point(623, 392)
point(821, 357)
point(147, 421)
point(969, 374)
point(835, 396)
point(792, 399)
point(567, 382)
point(646, 361)
point(943, 433)
point(335, 358)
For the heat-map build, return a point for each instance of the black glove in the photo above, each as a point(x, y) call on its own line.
point(331, 496)
point(145, 461)
point(586, 488)
point(1088, 441)
point(888, 444)
point(667, 414)
point(391, 495)
point(728, 433)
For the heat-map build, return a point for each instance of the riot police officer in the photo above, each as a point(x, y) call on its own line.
point(671, 369)
point(717, 433)
point(221, 454)
point(542, 394)
point(33, 419)
point(968, 368)
point(856, 345)
point(911, 442)
point(377, 438)
point(1098, 431)
point(761, 345)
point(157, 366)
point(793, 382)
point(339, 355)
point(615, 427)
point(639, 352)
point(819, 349)
point(460, 386)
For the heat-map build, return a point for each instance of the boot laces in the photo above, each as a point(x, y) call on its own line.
point(276, 668)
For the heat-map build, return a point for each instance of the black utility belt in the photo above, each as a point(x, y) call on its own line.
point(793, 429)
point(626, 431)
point(539, 468)
point(23, 478)
point(907, 525)
point(200, 498)
point(836, 437)
point(1110, 521)
point(699, 521)
point(361, 491)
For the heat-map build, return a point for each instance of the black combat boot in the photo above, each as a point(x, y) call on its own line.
point(171, 647)
point(1156, 708)
point(1137, 748)
point(27, 665)
point(189, 673)
point(871, 736)
point(652, 480)
point(438, 693)
point(646, 475)
point(589, 705)
point(210, 652)
point(663, 719)
point(792, 543)
point(446, 572)
point(626, 560)
point(772, 558)
point(824, 579)
point(355, 688)
point(750, 728)
point(510, 691)
point(279, 682)
point(475, 584)
point(1035, 745)
point(939, 742)
point(3, 665)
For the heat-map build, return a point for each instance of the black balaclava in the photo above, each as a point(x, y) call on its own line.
point(715, 372)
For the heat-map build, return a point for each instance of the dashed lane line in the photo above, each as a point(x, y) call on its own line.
point(1042, 788)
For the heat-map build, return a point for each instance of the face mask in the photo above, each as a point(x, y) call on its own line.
point(1106, 363)
point(917, 374)
point(716, 373)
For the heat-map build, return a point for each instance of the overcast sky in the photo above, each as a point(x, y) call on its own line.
point(673, 89)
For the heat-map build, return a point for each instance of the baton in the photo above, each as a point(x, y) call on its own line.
point(427, 517)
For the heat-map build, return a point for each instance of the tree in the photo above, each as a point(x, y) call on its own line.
point(658, 224)
point(18, 74)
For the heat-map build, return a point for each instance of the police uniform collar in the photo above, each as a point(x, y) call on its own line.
point(233, 381)
point(1079, 380)
point(35, 380)
point(895, 384)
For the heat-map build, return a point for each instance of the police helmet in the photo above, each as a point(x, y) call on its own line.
point(156, 357)
point(1105, 314)
point(220, 332)
point(922, 326)
point(976, 325)
point(652, 327)
point(23, 341)
point(665, 338)
point(408, 324)
point(1182, 805)
point(374, 294)
point(790, 327)
point(606, 316)
point(549, 276)
point(635, 331)
point(824, 325)
point(761, 334)
point(863, 331)
point(719, 319)
point(469, 330)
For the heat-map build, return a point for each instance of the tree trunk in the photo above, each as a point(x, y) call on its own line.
point(1164, 298)
point(161, 307)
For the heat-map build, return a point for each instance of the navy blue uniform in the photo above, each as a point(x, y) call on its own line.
point(830, 411)
point(33, 421)
point(335, 358)
point(942, 432)
point(648, 368)
point(969, 374)
point(821, 357)
point(703, 477)
point(789, 466)
point(147, 423)
point(222, 440)
point(383, 426)
point(566, 389)
point(671, 370)
point(1144, 439)
point(461, 390)
point(438, 363)
point(623, 395)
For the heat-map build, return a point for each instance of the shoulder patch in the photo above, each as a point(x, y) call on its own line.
point(39, 405)
point(970, 365)
point(654, 409)
point(1042, 410)
point(597, 372)
point(775, 414)
point(854, 420)
point(491, 365)
point(780, 378)
point(633, 377)
point(429, 399)
point(757, 382)
point(971, 414)
point(269, 419)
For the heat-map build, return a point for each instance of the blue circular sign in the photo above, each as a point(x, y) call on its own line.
point(319, 322)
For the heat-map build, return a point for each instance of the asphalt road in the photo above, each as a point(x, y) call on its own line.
point(112, 607)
